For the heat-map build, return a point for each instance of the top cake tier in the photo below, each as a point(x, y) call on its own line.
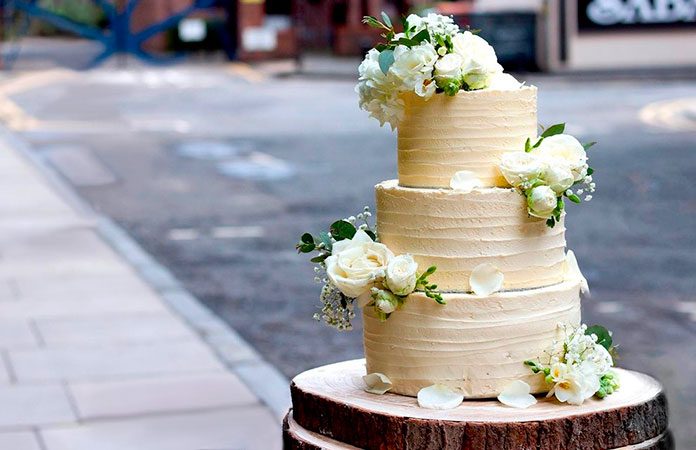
point(469, 131)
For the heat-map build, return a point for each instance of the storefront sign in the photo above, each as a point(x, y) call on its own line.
point(618, 14)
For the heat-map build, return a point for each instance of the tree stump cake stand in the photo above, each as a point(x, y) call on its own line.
point(332, 411)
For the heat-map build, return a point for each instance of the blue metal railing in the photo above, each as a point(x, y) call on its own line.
point(116, 38)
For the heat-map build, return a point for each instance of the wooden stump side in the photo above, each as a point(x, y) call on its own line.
point(297, 438)
point(330, 402)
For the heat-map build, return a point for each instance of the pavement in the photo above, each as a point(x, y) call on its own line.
point(101, 348)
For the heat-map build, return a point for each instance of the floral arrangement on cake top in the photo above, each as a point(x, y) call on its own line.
point(431, 55)
point(354, 266)
point(553, 168)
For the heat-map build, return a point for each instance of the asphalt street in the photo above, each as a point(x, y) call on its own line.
point(217, 170)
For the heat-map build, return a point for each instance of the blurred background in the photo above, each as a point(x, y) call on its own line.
point(213, 133)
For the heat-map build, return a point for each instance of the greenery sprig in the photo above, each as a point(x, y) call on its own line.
point(430, 290)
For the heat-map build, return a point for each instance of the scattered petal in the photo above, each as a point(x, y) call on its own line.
point(486, 279)
point(516, 395)
point(377, 383)
point(464, 181)
point(572, 272)
point(439, 396)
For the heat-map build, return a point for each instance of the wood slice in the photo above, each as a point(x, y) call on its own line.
point(330, 402)
point(297, 438)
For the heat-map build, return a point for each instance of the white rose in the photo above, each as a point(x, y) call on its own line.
point(558, 177)
point(541, 202)
point(356, 264)
point(479, 60)
point(401, 275)
point(449, 66)
point(563, 149)
point(412, 65)
point(518, 167)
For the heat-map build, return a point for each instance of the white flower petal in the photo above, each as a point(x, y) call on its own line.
point(377, 383)
point(572, 272)
point(464, 181)
point(439, 396)
point(516, 395)
point(486, 279)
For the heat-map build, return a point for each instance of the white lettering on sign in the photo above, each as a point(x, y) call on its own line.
point(612, 12)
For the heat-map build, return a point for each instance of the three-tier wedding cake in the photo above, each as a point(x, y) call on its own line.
point(466, 286)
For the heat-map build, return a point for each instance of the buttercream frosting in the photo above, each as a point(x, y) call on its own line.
point(469, 131)
point(475, 345)
point(458, 231)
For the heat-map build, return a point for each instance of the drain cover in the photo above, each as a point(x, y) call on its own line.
point(209, 150)
point(257, 166)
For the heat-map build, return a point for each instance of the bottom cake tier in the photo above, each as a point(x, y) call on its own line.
point(475, 345)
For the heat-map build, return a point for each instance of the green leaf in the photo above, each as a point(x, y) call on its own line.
point(553, 130)
point(372, 235)
point(325, 238)
point(421, 36)
point(603, 335)
point(528, 145)
point(320, 258)
point(342, 229)
point(560, 204)
point(590, 170)
point(587, 145)
point(386, 19)
point(386, 59)
point(305, 248)
point(307, 238)
point(551, 222)
point(372, 21)
point(574, 198)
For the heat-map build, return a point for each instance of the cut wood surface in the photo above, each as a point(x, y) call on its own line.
point(330, 402)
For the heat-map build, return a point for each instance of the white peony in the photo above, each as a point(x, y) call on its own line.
point(558, 177)
point(401, 275)
point(479, 61)
point(541, 202)
point(518, 167)
point(564, 150)
point(356, 264)
point(449, 67)
point(503, 82)
point(413, 65)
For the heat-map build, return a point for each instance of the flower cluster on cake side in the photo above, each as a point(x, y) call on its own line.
point(432, 56)
point(354, 267)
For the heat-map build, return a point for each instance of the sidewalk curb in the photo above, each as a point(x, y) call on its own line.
point(235, 353)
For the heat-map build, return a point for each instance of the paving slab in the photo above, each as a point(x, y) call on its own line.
point(171, 393)
point(19, 440)
point(71, 363)
point(112, 329)
point(231, 429)
point(34, 405)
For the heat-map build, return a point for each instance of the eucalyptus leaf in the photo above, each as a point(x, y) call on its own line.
point(320, 258)
point(305, 248)
point(553, 130)
point(587, 145)
point(551, 222)
point(387, 20)
point(421, 36)
point(325, 238)
point(342, 229)
point(603, 335)
point(307, 238)
point(590, 170)
point(386, 59)
point(372, 235)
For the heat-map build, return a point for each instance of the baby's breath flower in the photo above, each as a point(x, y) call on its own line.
point(588, 198)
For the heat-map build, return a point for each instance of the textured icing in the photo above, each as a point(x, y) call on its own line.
point(457, 231)
point(466, 132)
point(476, 345)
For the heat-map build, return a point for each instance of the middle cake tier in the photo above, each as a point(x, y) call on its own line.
point(457, 231)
